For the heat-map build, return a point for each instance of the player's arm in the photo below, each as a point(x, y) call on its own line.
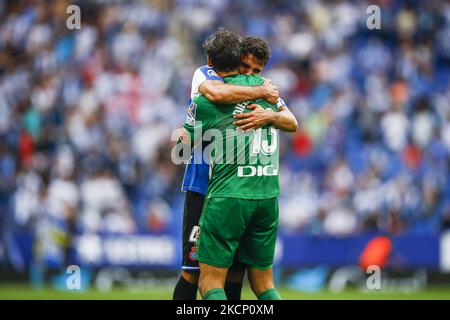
point(284, 120)
point(218, 92)
point(259, 117)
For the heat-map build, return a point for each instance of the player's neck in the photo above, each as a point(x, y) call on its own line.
point(227, 73)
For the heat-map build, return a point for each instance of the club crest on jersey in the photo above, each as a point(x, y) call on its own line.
point(190, 117)
point(193, 254)
point(212, 73)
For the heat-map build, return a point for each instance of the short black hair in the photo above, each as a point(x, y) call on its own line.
point(257, 47)
point(224, 48)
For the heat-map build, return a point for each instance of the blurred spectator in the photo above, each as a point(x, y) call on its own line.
point(86, 115)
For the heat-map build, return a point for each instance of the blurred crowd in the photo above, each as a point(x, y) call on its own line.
point(86, 115)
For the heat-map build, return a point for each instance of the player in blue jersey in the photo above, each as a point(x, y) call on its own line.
point(207, 82)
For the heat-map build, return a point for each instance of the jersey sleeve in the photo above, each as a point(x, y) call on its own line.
point(199, 118)
point(201, 75)
point(281, 104)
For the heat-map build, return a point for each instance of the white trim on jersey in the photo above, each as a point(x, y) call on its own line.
point(189, 268)
point(200, 75)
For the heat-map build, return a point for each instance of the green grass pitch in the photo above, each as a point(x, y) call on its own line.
point(19, 292)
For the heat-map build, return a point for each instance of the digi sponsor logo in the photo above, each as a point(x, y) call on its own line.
point(259, 171)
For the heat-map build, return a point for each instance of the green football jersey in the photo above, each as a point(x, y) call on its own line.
point(242, 164)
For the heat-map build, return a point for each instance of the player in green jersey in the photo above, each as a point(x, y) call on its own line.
point(255, 55)
point(241, 211)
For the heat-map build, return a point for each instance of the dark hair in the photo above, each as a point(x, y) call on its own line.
point(224, 48)
point(257, 47)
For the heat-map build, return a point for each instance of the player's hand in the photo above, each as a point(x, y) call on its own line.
point(258, 118)
point(184, 136)
point(271, 91)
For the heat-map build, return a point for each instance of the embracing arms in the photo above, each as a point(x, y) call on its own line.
point(259, 117)
point(218, 92)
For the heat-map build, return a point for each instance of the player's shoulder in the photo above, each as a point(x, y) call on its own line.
point(207, 72)
point(201, 100)
point(256, 78)
point(246, 80)
point(203, 109)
